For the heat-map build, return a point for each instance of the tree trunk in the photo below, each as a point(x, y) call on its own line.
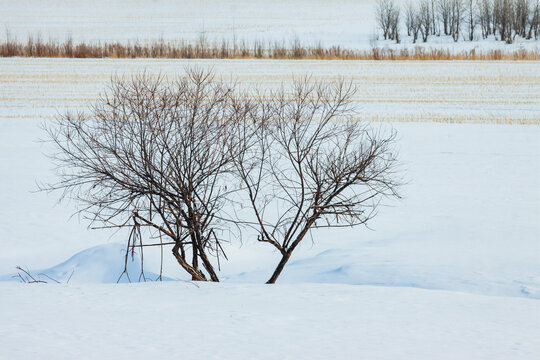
point(195, 258)
point(279, 268)
point(208, 266)
point(195, 274)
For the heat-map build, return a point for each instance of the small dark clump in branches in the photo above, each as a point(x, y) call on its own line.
point(180, 159)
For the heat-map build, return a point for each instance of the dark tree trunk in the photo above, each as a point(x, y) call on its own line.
point(195, 274)
point(279, 268)
point(208, 266)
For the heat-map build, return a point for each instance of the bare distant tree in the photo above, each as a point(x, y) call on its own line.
point(410, 14)
point(471, 18)
point(522, 9)
point(388, 16)
point(424, 17)
point(412, 21)
point(396, 19)
point(534, 22)
point(156, 155)
point(416, 27)
point(497, 4)
point(456, 18)
point(485, 17)
point(503, 15)
point(445, 13)
point(434, 22)
point(314, 166)
point(384, 16)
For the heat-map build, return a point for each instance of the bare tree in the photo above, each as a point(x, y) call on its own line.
point(534, 22)
point(424, 17)
point(410, 13)
point(434, 23)
point(416, 27)
point(388, 15)
point(471, 18)
point(485, 17)
point(497, 12)
point(522, 9)
point(456, 18)
point(313, 167)
point(396, 19)
point(412, 21)
point(383, 13)
point(503, 15)
point(156, 155)
point(445, 13)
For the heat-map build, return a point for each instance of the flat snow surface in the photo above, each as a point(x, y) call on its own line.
point(347, 23)
point(456, 262)
point(224, 321)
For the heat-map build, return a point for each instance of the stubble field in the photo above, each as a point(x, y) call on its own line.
point(449, 92)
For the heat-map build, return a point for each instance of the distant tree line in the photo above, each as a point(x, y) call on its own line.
point(503, 19)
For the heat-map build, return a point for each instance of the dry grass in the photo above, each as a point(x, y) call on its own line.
point(36, 47)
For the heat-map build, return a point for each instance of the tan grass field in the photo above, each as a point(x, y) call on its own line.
point(243, 50)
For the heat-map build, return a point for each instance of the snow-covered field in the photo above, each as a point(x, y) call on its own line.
point(310, 321)
point(104, 20)
point(347, 23)
point(468, 220)
point(452, 271)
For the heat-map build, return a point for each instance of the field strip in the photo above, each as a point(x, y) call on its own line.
point(454, 92)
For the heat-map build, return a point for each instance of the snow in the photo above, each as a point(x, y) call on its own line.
point(343, 23)
point(102, 264)
point(449, 272)
point(226, 321)
point(347, 23)
point(468, 221)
